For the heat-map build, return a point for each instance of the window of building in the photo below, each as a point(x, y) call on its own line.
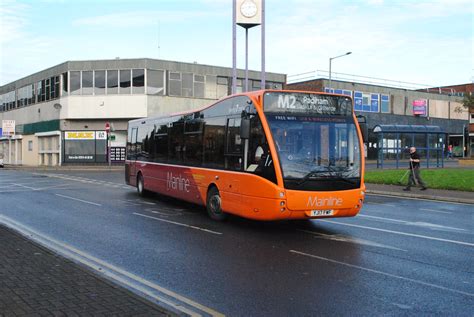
point(75, 82)
point(211, 87)
point(199, 86)
point(65, 84)
point(187, 82)
point(374, 102)
point(155, 82)
point(138, 81)
point(87, 82)
point(99, 82)
point(125, 81)
point(30, 145)
point(175, 84)
point(222, 87)
point(112, 82)
point(385, 103)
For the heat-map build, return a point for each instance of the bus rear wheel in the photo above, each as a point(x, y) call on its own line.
point(141, 186)
point(214, 205)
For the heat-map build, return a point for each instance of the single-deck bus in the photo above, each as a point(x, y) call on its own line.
point(266, 155)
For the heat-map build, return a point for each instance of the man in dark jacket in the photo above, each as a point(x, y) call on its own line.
point(415, 177)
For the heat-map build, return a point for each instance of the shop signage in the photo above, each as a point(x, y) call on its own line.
point(8, 128)
point(79, 135)
point(419, 107)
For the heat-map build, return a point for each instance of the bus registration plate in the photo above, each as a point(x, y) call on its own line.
point(324, 212)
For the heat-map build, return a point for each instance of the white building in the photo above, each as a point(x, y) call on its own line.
point(60, 113)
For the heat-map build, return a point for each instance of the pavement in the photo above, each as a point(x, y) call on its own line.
point(35, 281)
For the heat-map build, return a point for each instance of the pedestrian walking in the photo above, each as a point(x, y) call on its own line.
point(450, 151)
point(415, 177)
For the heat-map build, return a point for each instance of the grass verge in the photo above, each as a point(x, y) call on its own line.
point(452, 179)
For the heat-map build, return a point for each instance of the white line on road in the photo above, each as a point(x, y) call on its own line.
point(384, 273)
point(77, 199)
point(383, 204)
point(342, 238)
point(401, 233)
point(416, 223)
point(177, 223)
point(434, 210)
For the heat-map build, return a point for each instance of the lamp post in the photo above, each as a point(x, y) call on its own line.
point(330, 60)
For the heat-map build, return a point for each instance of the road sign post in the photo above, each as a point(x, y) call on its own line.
point(107, 131)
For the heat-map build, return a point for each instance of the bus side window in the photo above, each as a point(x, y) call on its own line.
point(260, 159)
point(131, 144)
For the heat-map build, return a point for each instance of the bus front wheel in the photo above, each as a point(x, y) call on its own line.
point(214, 205)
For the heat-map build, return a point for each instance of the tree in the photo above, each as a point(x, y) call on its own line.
point(467, 103)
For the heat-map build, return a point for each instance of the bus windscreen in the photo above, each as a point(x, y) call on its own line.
point(316, 139)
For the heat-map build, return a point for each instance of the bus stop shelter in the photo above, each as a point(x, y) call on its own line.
point(394, 142)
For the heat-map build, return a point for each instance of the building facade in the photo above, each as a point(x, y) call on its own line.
point(395, 106)
point(60, 114)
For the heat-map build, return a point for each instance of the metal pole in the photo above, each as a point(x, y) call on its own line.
point(262, 84)
point(463, 139)
point(234, 47)
point(246, 59)
point(330, 59)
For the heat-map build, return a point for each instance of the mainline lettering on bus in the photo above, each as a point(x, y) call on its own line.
point(321, 202)
point(177, 182)
point(264, 155)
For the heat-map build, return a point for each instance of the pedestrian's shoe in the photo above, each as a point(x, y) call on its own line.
point(407, 189)
point(423, 188)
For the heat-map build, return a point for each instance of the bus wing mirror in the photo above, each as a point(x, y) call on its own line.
point(245, 128)
point(365, 131)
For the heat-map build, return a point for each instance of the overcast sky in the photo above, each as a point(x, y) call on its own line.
point(425, 42)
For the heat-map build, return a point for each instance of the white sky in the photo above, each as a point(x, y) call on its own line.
point(425, 42)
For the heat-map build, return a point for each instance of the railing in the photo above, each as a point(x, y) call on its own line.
point(317, 74)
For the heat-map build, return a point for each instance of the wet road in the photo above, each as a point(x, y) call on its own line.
point(399, 256)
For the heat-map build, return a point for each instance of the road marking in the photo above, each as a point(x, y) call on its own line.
point(384, 273)
point(383, 204)
point(434, 210)
point(77, 199)
point(24, 186)
point(416, 223)
point(401, 233)
point(131, 280)
point(341, 238)
point(177, 223)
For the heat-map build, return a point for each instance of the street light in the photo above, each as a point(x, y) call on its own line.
point(330, 60)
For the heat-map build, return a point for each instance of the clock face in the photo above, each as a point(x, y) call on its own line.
point(248, 9)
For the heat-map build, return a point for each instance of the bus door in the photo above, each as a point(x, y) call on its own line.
point(233, 160)
point(133, 156)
